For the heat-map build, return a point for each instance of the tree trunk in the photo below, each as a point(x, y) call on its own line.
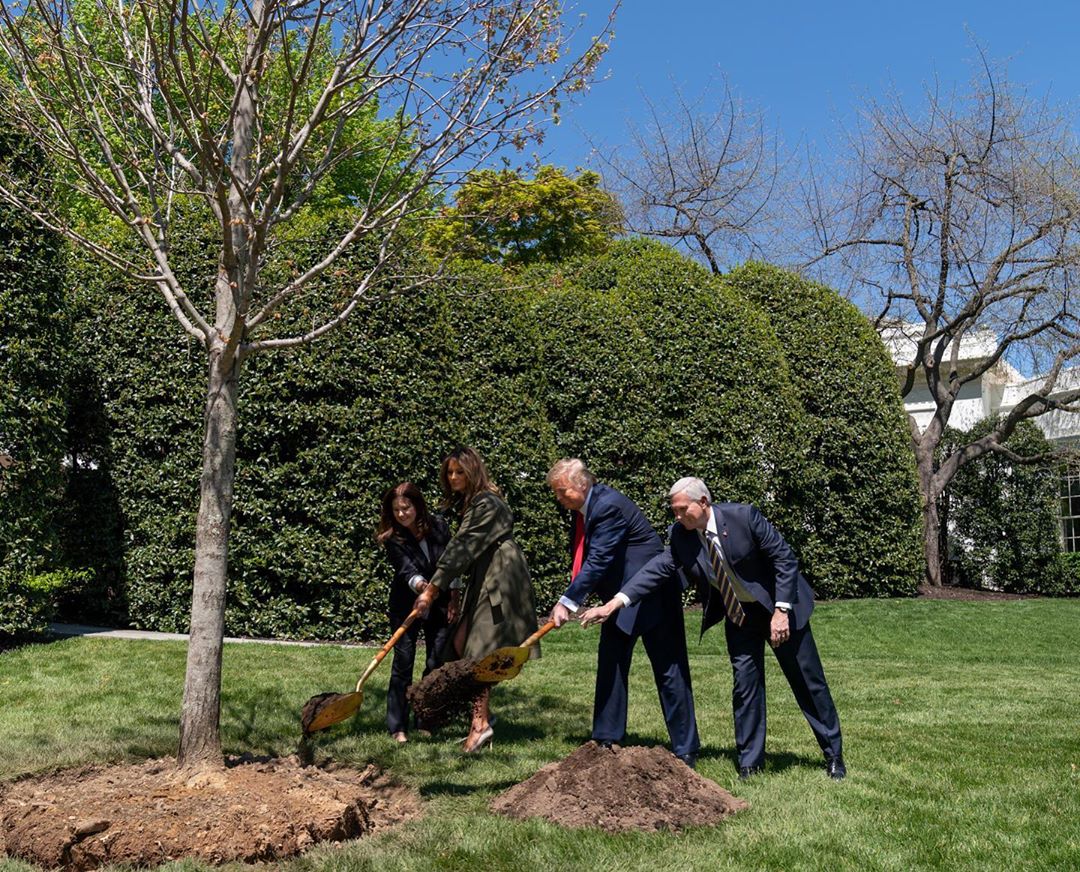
point(931, 531)
point(200, 739)
point(932, 542)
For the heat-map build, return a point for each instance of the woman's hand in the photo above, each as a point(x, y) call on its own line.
point(423, 602)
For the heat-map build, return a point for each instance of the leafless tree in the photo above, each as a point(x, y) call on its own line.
point(243, 108)
point(959, 226)
point(700, 174)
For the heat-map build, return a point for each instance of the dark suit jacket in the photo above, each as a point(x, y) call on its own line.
point(762, 560)
point(618, 542)
point(408, 559)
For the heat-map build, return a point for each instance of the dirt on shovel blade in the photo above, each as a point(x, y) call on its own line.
point(314, 706)
point(619, 789)
point(446, 694)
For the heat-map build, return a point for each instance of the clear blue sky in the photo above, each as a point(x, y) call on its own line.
point(807, 64)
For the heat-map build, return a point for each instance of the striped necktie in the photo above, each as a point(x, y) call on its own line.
point(722, 582)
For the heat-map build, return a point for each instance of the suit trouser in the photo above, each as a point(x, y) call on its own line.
point(665, 645)
point(401, 670)
point(801, 665)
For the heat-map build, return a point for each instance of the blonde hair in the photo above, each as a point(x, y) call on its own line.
point(572, 469)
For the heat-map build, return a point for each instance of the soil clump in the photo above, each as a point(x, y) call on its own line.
point(446, 694)
point(145, 814)
point(619, 789)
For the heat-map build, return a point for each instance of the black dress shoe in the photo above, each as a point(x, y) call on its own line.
point(836, 768)
point(746, 772)
point(689, 759)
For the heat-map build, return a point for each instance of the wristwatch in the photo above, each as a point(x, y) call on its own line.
point(784, 610)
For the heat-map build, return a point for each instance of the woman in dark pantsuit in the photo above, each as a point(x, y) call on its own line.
point(414, 540)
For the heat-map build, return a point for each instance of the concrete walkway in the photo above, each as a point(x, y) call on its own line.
point(107, 633)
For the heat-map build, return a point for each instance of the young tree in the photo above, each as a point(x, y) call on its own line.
point(961, 225)
point(245, 110)
point(499, 216)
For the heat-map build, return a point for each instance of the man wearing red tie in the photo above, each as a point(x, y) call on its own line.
point(753, 585)
point(610, 540)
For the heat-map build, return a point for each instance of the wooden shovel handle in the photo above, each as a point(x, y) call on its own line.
point(393, 640)
point(538, 635)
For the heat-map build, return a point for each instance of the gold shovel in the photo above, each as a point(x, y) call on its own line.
point(326, 709)
point(504, 663)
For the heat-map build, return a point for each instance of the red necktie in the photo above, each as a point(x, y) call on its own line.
point(579, 545)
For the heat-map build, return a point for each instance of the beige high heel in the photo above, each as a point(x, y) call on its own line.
point(484, 740)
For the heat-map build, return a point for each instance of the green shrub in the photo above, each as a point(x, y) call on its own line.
point(1070, 562)
point(27, 605)
point(1002, 517)
point(857, 503)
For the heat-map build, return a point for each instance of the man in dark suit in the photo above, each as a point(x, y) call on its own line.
point(751, 581)
point(610, 540)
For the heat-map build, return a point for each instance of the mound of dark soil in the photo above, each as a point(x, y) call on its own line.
point(618, 789)
point(148, 813)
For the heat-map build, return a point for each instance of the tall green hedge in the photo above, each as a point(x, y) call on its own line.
point(857, 505)
point(638, 360)
point(655, 371)
point(33, 375)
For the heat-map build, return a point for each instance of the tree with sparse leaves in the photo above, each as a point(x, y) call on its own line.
point(245, 112)
point(703, 175)
point(960, 227)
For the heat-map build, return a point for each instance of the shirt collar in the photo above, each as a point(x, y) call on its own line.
point(588, 496)
point(711, 528)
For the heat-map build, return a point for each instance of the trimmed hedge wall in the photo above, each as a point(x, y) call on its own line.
point(637, 360)
point(858, 505)
point(655, 371)
point(33, 374)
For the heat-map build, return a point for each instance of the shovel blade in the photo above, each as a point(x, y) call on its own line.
point(327, 709)
point(501, 664)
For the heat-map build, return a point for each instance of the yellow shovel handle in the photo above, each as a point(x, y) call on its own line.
point(538, 635)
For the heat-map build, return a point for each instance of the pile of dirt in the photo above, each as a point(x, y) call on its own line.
point(619, 789)
point(446, 694)
point(148, 813)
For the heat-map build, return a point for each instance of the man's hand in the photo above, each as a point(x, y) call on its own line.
point(453, 608)
point(779, 628)
point(426, 598)
point(560, 615)
point(599, 614)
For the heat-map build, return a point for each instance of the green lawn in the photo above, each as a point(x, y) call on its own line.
point(961, 728)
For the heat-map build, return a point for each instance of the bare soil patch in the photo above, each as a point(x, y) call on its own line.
point(147, 813)
point(619, 789)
